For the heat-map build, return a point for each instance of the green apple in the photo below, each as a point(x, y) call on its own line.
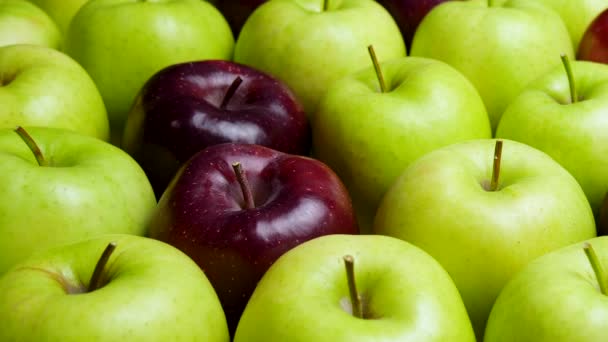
point(484, 225)
point(122, 43)
point(309, 44)
point(368, 136)
point(61, 11)
point(144, 291)
point(397, 293)
point(500, 48)
point(556, 298)
point(40, 86)
point(76, 187)
point(22, 22)
point(573, 133)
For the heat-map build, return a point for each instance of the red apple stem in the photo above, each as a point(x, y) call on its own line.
point(570, 74)
point(597, 267)
point(372, 54)
point(355, 298)
point(242, 179)
point(31, 144)
point(230, 92)
point(496, 165)
point(95, 282)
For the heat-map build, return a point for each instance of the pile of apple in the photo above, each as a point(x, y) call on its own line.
point(303, 170)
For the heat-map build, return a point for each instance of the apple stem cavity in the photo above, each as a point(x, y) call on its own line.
point(355, 297)
point(230, 92)
point(376, 64)
point(242, 179)
point(597, 267)
point(95, 282)
point(570, 74)
point(496, 166)
point(31, 144)
point(325, 5)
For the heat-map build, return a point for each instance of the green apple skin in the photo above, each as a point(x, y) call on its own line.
point(304, 296)
point(91, 188)
point(309, 48)
point(40, 86)
point(574, 134)
point(61, 11)
point(500, 49)
point(482, 238)
point(24, 23)
point(122, 43)
point(151, 292)
point(556, 298)
point(369, 137)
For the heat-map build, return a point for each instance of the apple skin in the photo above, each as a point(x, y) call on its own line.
point(152, 292)
point(40, 86)
point(574, 134)
point(178, 113)
point(61, 11)
point(304, 295)
point(24, 23)
point(368, 137)
point(555, 298)
point(594, 44)
point(122, 43)
point(309, 48)
point(237, 12)
point(500, 49)
point(91, 188)
point(202, 213)
point(482, 238)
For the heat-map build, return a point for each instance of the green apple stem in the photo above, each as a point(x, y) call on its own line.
point(242, 179)
point(570, 74)
point(95, 282)
point(372, 54)
point(29, 141)
point(597, 267)
point(355, 298)
point(231, 90)
point(496, 165)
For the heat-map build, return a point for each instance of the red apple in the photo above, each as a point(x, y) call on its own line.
point(594, 44)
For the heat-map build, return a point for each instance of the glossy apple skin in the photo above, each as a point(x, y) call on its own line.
point(177, 113)
point(236, 12)
point(202, 213)
point(594, 44)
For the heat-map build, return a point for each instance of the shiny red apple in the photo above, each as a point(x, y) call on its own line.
point(594, 44)
point(233, 237)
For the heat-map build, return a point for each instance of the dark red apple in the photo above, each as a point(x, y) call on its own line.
point(187, 107)
point(204, 213)
point(236, 12)
point(594, 44)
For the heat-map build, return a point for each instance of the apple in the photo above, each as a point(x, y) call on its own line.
point(309, 44)
point(368, 136)
point(189, 106)
point(559, 297)
point(40, 86)
point(237, 12)
point(482, 220)
point(59, 187)
point(594, 44)
point(61, 11)
point(397, 293)
point(235, 208)
point(499, 48)
point(22, 22)
point(136, 289)
point(122, 43)
point(570, 128)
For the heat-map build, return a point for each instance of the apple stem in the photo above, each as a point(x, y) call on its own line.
point(496, 165)
point(31, 144)
point(355, 298)
point(597, 267)
point(231, 90)
point(376, 64)
point(570, 74)
point(95, 282)
point(242, 179)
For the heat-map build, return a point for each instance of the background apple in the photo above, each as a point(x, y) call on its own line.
point(24, 23)
point(594, 44)
point(61, 11)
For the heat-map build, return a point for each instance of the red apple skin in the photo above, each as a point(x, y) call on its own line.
point(594, 44)
point(202, 213)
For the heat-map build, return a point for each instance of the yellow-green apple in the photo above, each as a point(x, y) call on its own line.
point(61, 11)
point(484, 220)
point(594, 44)
point(22, 22)
point(355, 288)
point(40, 86)
point(110, 288)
